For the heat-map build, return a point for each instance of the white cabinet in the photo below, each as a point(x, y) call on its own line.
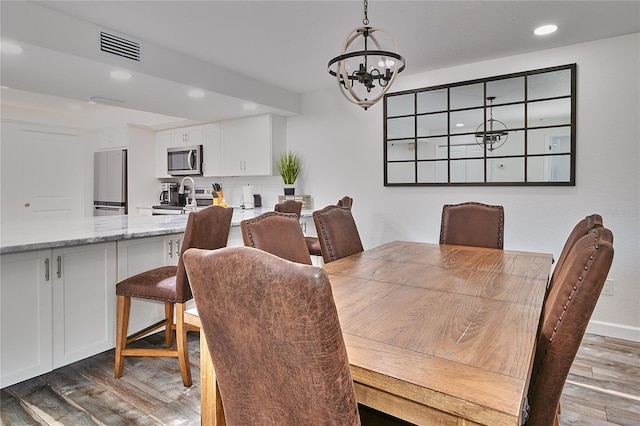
point(112, 139)
point(142, 254)
point(240, 147)
point(163, 141)
point(251, 145)
point(57, 307)
point(212, 151)
point(84, 279)
point(185, 136)
point(25, 316)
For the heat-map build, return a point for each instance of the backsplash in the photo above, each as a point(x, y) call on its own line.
point(269, 187)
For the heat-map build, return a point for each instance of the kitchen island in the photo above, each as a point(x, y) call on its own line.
point(57, 284)
point(17, 237)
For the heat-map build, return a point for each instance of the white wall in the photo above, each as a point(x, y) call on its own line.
point(342, 146)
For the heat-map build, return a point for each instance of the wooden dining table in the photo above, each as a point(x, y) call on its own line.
point(435, 334)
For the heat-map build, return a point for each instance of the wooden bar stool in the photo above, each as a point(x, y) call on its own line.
point(207, 229)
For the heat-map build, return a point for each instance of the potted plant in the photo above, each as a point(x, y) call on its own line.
point(289, 166)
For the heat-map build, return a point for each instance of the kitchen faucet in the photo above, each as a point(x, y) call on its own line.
point(191, 204)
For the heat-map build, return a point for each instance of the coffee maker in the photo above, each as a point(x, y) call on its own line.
point(169, 194)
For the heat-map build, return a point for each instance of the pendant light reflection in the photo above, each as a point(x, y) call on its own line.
point(364, 61)
point(491, 134)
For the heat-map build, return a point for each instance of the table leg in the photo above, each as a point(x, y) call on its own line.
point(211, 412)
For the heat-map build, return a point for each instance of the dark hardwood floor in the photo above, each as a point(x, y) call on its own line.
point(603, 388)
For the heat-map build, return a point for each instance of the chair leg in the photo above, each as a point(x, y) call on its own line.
point(181, 340)
point(122, 324)
point(168, 329)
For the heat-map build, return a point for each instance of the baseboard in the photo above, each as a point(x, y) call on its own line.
point(618, 331)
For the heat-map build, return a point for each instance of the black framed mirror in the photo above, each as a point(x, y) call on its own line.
point(515, 129)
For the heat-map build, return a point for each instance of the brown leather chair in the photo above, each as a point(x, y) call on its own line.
point(274, 337)
point(337, 233)
point(289, 206)
point(276, 233)
point(313, 243)
point(472, 224)
point(565, 316)
point(207, 229)
point(345, 202)
point(581, 229)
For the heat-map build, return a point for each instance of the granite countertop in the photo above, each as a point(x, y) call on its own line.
point(19, 237)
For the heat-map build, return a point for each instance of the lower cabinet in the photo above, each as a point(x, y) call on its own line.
point(57, 307)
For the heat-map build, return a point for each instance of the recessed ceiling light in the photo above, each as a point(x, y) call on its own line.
point(9, 47)
point(459, 124)
point(545, 29)
point(196, 93)
point(120, 75)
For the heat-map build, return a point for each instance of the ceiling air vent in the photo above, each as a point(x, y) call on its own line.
point(117, 45)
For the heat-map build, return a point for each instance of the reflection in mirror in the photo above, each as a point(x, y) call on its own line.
point(517, 129)
point(467, 96)
point(506, 90)
point(549, 84)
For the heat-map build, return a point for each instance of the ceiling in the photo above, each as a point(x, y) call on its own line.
point(266, 53)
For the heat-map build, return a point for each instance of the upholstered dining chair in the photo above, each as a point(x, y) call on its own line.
point(289, 206)
point(345, 202)
point(206, 229)
point(472, 224)
point(274, 337)
point(581, 229)
point(276, 233)
point(337, 233)
point(566, 313)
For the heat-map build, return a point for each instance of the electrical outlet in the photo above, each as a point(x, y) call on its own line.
point(607, 288)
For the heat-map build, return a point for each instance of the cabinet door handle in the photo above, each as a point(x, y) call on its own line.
point(59, 273)
point(178, 247)
point(46, 269)
point(170, 248)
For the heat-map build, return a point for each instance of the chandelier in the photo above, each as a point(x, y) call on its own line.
point(491, 134)
point(375, 70)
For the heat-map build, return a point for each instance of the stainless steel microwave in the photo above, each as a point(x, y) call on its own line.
point(184, 161)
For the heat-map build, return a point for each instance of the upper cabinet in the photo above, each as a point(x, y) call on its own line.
point(112, 139)
point(240, 147)
point(251, 145)
point(212, 151)
point(186, 136)
point(163, 141)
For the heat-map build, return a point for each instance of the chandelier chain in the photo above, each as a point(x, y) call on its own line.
point(365, 21)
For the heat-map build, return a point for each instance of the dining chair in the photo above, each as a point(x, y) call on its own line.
point(289, 206)
point(276, 233)
point(565, 317)
point(206, 229)
point(472, 224)
point(274, 337)
point(581, 229)
point(337, 233)
point(313, 243)
point(345, 202)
